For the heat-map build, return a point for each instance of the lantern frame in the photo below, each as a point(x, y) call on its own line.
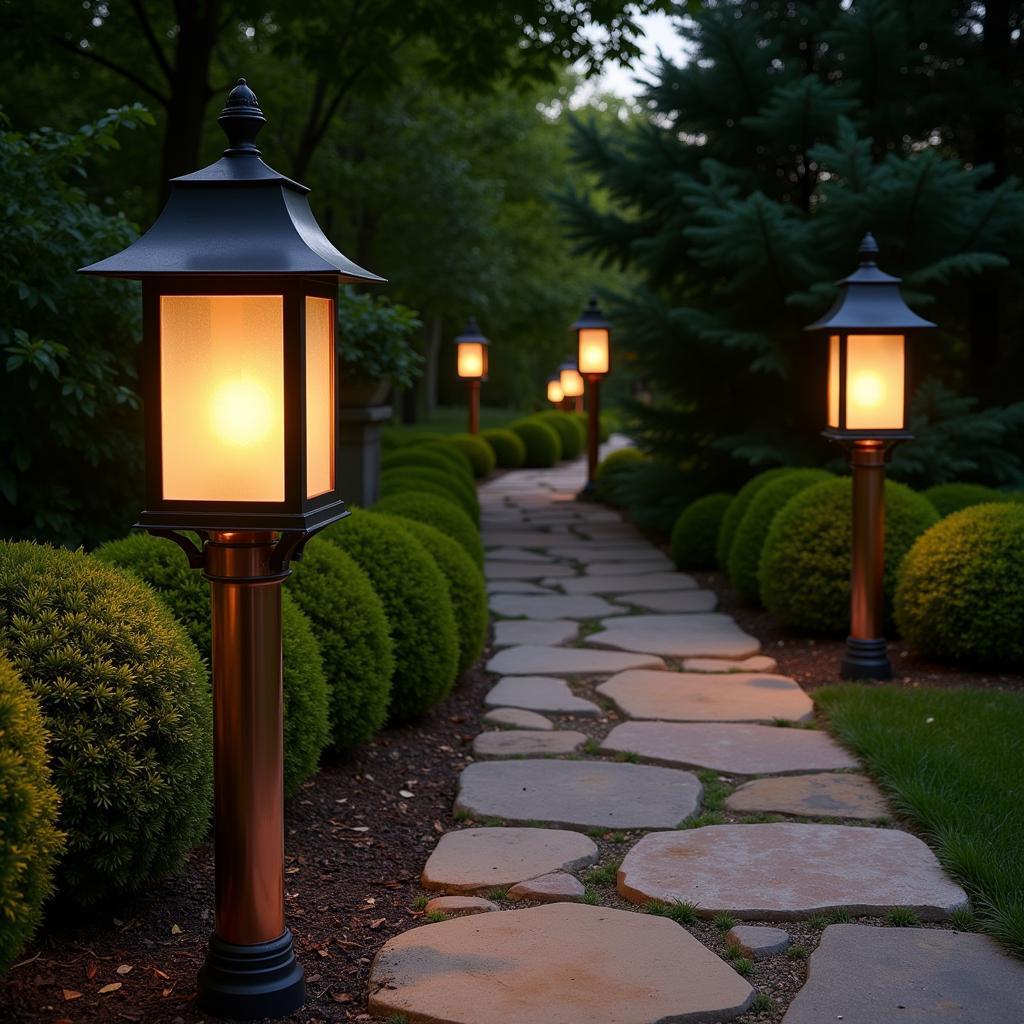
point(472, 335)
point(592, 319)
point(569, 365)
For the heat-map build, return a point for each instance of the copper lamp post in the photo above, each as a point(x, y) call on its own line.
point(239, 287)
point(471, 364)
point(593, 355)
point(868, 329)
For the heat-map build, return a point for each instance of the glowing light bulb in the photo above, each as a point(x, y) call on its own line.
point(868, 389)
point(555, 393)
point(242, 412)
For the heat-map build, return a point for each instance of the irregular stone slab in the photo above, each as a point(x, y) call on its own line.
point(519, 555)
point(582, 551)
point(565, 963)
point(626, 569)
point(680, 636)
point(699, 697)
point(579, 794)
point(553, 888)
point(811, 796)
point(734, 749)
point(865, 975)
point(539, 693)
point(524, 570)
point(672, 600)
point(757, 941)
point(511, 632)
point(460, 905)
point(517, 718)
point(525, 538)
point(643, 582)
point(610, 531)
point(526, 743)
point(758, 663)
point(515, 587)
point(555, 606)
point(476, 859)
point(788, 870)
point(529, 659)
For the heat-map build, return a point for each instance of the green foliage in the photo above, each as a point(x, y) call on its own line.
point(567, 428)
point(416, 602)
point(451, 453)
point(961, 588)
point(508, 447)
point(442, 513)
point(29, 840)
point(950, 498)
point(543, 447)
point(351, 628)
point(424, 457)
point(738, 509)
point(805, 563)
point(394, 481)
point(126, 701)
point(745, 552)
point(375, 339)
point(613, 465)
point(478, 451)
point(696, 531)
point(652, 491)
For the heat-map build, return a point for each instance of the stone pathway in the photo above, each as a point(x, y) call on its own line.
point(617, 685)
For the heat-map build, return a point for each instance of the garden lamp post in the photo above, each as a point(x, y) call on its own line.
point(868, 330)
point(555, 394)
point(471, 364)
point(593, 355)
point(572, 383)
point(238, 288)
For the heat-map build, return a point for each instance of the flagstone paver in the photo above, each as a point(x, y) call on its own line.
point(672, 600)
point(553, 888)
point(736, 749)
point(478, 859)
point(564, 963)
point(811, 796)
point(539, 693)
point(525, 571)
point(681, 636)
point(757, 941)
point(518, 555)
point(463, 905)
point(526, 743)
point(644, 582)
point(531, 659)
point(512, 632)
point(579, 551)
point(701, 697)
point(531, 538)
point(516, 587)
point(517, 718)
point(555, 606)
point(579, 794)
point(864, 975)
point(626, 568)
point(788, 870)
point(755, 663)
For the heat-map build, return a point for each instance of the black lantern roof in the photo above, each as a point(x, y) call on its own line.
point(569, 364)
point(237, 216)
point(591, 318)
point(869, 299)
point(471, 334)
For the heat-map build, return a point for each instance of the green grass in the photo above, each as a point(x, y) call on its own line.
point(420, 902)
point(715, 790)
point(592, 746)
point(743, 966)
point(497, 894)
point(953, 762)
point(435, 917)
point(763, 1003)
point(679, 911)
point(606, 874)
point(901, 917)
point(797, 953)
point(724, 921)
point(449, 419)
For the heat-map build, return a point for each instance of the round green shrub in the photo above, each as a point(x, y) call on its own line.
point(161, 564)
point(477, 450)
point(126, 700)
point(509, 450)
point(458, 489)
point(696, 531)
point(582, 421)
point(440, 512)
point(745, 554)
point(351, 629)
point(452, 454)
point(543, 446)
point(416, 602)
point(950, 498)
point(29, 840)
point(396, 486)
point(805, 563)
point(427, 457)
point(567, 429)
point(619, 461)
point(466, 588)
point(738, 509)
point(960, 593)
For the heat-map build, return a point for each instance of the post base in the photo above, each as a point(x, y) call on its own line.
point(250, 982)
point(588, 492)
point(866, 659)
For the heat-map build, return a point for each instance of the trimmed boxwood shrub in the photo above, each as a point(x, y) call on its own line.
point(351, 628)
point(427, 457)
point(126, 700)
point(612, 465)
point(961, 588)
point(478, 451)
point(738, 509)
point(696, 531)
point(950, 498)
point(745, 554)
point(509, 450)
point(567, 429)
point(451, 453)
point(460, 491)
point(440, 512)
point(466, 588)
point(543, 446)
point(416, 602)
point(805, 564)
point(29, 840)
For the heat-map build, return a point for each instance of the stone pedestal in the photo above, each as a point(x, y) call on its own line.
point(359, 453)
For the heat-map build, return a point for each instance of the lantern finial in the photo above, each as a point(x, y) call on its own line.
point(241, 119)
point(868, 250)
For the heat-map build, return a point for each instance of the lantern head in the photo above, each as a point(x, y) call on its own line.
point(471, 352)
point(593, 337)
point(868, 329)
point(555, 393)
point(239, 286)
point(570, 379)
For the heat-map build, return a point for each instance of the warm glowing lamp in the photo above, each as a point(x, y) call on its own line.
point(868, 330)
point(471, 364)
point(593, 358)
point(238, 288)
point(571, 381)
point(555, 393)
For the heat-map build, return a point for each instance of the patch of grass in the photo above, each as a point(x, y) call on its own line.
point(901, 917)
point(397, 1018)
point(950, 760)
point(783, 723)
point(733, 952)
point(723, 921)
point(595, 833)
point(707, 818)
point(420, 902)
point(492, 822)
point(818, 920)
point(617, 837)
point(715, 790)
point(628, 755)
point(462, 816)
point(679, 911)
point(762, 1003)
point(435, 917)
point(498, 893)
point(964, 919)
point(591, 896)
point(762, 819)
point(592, 746)
point(605, 874)
point(744, 966)
point(797, 952)
point(839, 916)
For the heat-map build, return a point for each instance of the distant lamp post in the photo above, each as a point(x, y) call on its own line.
point(554, 393)
point(593, 358)
point(238, 288)
point(868, 330)
point(471, 363)
point(572, 383)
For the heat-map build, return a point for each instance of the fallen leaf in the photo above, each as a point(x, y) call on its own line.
point(438, 827)
point(292, 871)
point(341, 997)
point(405, 793)
point(360, 828)
point(323, 952)
point(175, 929)
point(157, 973)
point(167, 991)
point(69, 994)
point(112, 987)
point(377, 922)
point(90, 971)
point(125, 969)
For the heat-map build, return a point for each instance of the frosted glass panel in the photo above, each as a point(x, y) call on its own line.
point(833, 381)
point(319, 396)
point(874, 382)
point(593, 350)
point(471, 359)
point(572, 383)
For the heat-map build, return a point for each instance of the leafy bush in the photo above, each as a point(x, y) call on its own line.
point(478, 451)
point(950, 498)
point(452, 454)
point(805, 563)
point(542, 444)
point(620, 461)
point(351, 629)
point(29, 840)
point(424, 458)
point(696, 531)
point(452, 484)
point(375, 338)
point(126, 700)
point(567, 429)
point(738, 509)
point(961, 588)
point(441, 512)
point(745, 554)
point(416, 602)
point(509, 450)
